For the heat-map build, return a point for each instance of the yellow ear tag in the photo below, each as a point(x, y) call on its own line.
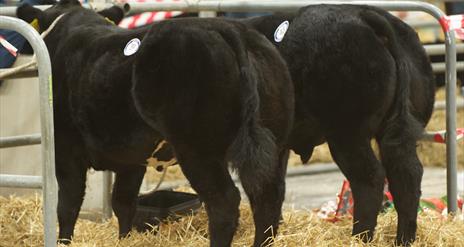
point(110, 21)
point(35, 24)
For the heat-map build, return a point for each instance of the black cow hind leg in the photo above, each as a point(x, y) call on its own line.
point(356, 159)
point(71, 175)
point(266, 195)
point(125, 191)
point(213, 183)
point(404, 174)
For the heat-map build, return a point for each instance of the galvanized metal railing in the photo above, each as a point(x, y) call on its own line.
point(47, 181)
point(15, 141)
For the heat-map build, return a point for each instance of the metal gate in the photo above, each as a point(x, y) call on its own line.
point(47, 181)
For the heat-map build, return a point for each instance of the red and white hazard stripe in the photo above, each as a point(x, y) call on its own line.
point(8, 46)
point(455, 23)
point(147, 17)
point(440, 136)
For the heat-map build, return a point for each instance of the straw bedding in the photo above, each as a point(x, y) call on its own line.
point(21, 225)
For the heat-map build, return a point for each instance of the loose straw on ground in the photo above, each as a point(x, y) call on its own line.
point(20, 225)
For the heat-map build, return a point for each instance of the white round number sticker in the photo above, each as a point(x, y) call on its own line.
point(131, 47)
point(280, 31)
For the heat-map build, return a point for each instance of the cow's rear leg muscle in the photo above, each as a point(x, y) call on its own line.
point(71, 175)
point(357, 161)
point(125, 190)
point(266, 198)
point(404, 174)
point(213, 183)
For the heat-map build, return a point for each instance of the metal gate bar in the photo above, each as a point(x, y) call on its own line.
point(107, 184)
point(441, 67)
point(26, 73)
point(441, 105)
point(14, 141)
point(48, 184)
point(439, 49)
point(21, 181)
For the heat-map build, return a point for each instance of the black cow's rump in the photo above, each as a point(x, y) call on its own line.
point(230, 88)
point(216, 90)
point(359, 74)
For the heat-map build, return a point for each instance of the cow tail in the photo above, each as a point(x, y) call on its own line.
point(401, 125)
point(254, 148)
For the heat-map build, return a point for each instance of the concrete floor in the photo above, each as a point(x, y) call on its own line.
point(312, 190)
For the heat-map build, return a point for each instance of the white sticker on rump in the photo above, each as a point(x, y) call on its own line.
point(132, 47)
point(280, 31)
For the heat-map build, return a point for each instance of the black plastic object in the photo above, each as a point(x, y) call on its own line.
point(160, 205)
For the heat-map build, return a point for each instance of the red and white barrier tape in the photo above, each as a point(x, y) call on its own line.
point(440, 136)
point(455, 23)
point(8, 46)
point(147, 17)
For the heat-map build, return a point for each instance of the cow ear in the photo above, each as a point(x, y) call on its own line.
point(114, 14)
point(28, 13)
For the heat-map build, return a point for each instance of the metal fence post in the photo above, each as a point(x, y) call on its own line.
point(107, 183)
point(49, 186)
point(451, 156)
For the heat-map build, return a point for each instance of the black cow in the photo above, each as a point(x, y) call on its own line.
point(216, 90)
point(359, 74)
